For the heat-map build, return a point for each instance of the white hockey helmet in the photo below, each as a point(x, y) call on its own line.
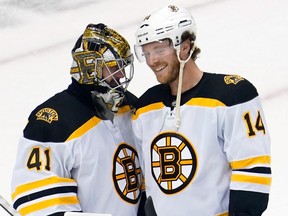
point(169, 22)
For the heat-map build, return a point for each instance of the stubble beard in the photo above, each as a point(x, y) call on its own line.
point(171, 75)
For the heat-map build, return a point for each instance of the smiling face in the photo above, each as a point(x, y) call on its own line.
point(162, 59)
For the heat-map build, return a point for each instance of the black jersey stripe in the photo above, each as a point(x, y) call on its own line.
point(60, 213)
point(57, 214)
point(47, 192)
point(260, 170)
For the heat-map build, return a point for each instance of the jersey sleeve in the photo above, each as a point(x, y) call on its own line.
point(47, 157)
point(41, 181)
point(247, 146)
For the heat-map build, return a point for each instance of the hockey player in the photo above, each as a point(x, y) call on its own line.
point(77, 152)
point(202, 137)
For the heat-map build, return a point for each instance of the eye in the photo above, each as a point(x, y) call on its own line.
point(146, 54)
point(160, 51)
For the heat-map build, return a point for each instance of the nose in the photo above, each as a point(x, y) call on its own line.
point(120, 74)
point(151, 60)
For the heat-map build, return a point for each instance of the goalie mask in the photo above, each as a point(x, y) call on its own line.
point(102, 57)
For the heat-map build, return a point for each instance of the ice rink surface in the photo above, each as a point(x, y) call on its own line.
point(243, 37)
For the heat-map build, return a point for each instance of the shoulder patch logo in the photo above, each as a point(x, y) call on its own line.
point(47, 114)
point(233, 79)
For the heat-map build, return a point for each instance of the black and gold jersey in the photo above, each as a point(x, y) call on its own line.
point(218, 159)
point(69, 159)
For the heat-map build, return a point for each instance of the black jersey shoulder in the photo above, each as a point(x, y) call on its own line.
point(129, 99)
point(57, 118)
point(229, 89)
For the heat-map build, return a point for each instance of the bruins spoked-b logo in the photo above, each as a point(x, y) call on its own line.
point(173, 162)
point(127, 173)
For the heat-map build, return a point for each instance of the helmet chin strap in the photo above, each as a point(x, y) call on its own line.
point(180, 81)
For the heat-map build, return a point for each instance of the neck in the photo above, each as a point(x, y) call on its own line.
point(191, 76)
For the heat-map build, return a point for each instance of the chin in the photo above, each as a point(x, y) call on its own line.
point(162, 81)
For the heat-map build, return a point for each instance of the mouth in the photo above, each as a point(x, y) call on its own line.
point(160, 68)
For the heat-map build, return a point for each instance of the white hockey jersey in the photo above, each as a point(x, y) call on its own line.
point(218, 162)
point(70, 160)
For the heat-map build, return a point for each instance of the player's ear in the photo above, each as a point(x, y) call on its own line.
point(186, 46)
point(185, 49)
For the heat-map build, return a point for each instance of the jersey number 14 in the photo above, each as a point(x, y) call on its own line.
point(252, 128)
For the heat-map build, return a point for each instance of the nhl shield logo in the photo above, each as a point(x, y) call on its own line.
point(233, 79)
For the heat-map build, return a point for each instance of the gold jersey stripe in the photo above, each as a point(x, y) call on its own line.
point(250, 162)
point(143, 187)
point(205, 102)
point(148, 108)
point(72, 200)
point(124, 109)
point(223, 214)
point(251, 179)
point(41, 183)
point(84, 128)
